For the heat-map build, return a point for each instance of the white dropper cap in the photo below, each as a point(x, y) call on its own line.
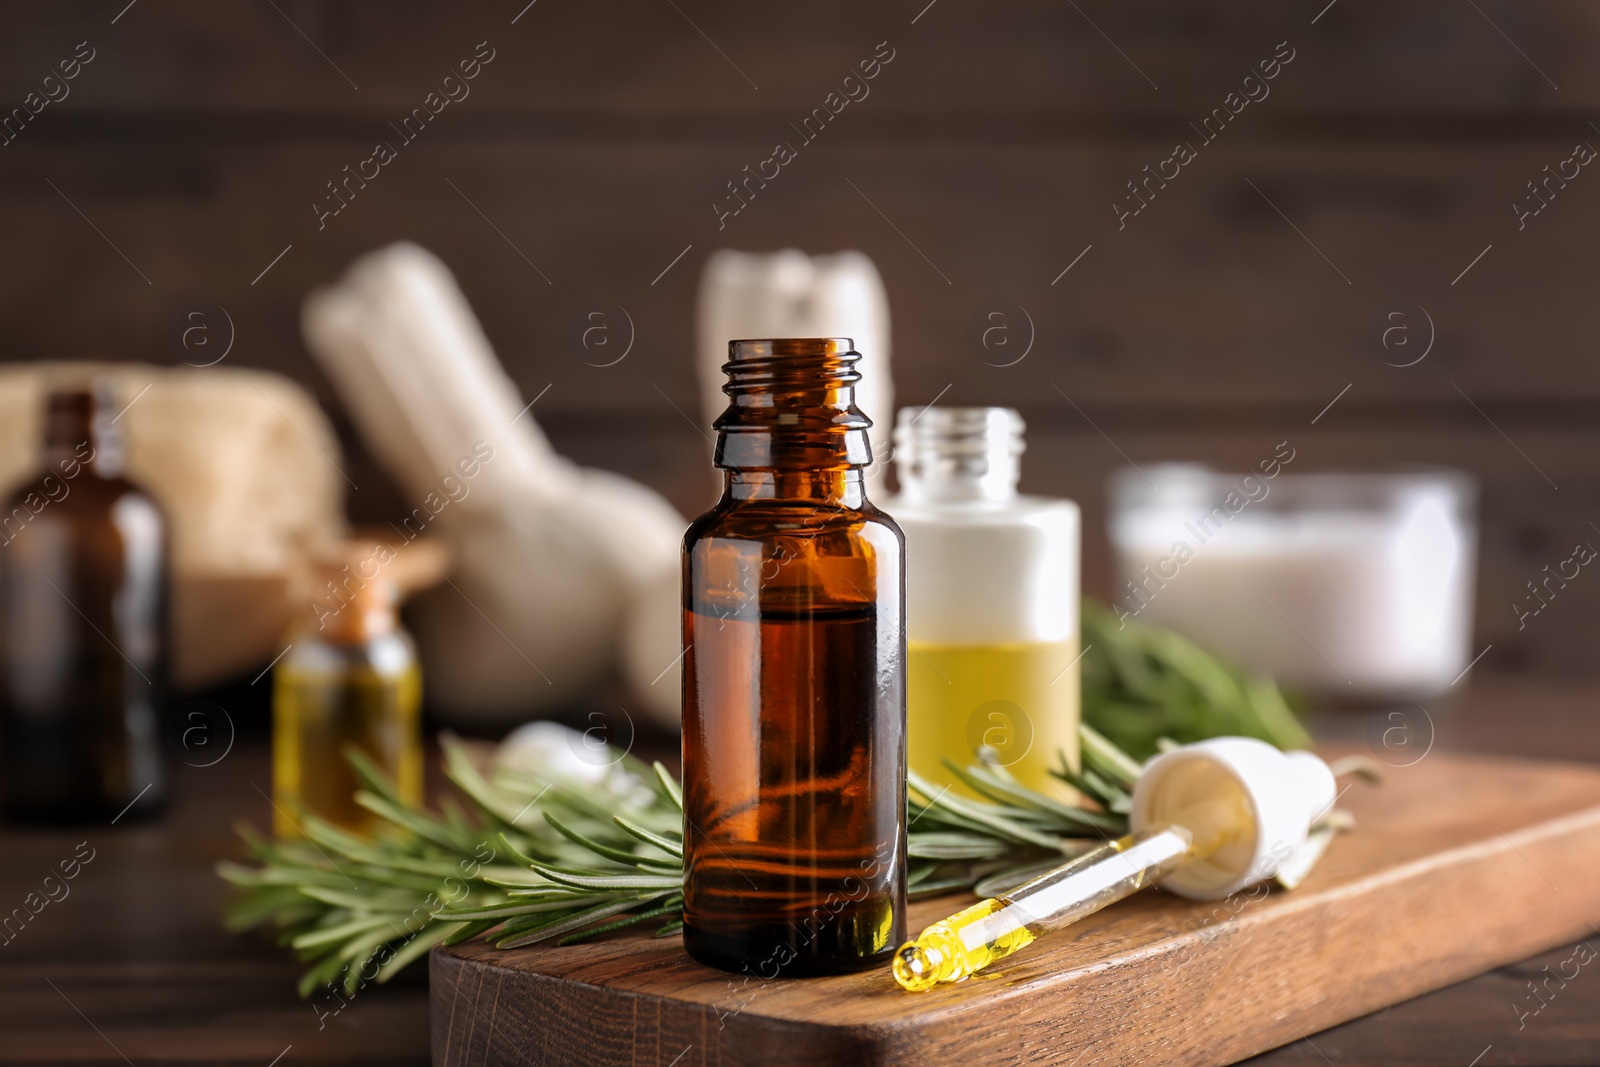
point(1281, 794)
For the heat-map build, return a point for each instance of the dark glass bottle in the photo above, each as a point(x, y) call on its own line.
point(83, 627)
point(794, 681)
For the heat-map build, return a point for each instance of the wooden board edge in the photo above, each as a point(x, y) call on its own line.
point(1513, 920)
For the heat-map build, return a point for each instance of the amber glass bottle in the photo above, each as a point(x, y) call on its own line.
point(794, 682)
point(349, 678)
point(83, 626)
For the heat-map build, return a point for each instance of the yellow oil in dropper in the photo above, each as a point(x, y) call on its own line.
point(990, 930)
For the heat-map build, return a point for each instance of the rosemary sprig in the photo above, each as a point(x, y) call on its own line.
point(360, 909)
point(1143, 683)
point(533, 860)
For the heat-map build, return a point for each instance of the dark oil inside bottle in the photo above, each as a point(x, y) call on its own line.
point(794, 692)
point(786, 871)
point(83, 628)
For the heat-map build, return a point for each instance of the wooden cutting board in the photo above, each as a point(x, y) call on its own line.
point(1458, 864)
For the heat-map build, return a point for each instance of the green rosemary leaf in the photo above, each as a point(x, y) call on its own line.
point(257, 844)
point(521, 924)
point(459, 769)
point(501, 912)
point(361, 948)
point(372, 777)
point(323, 834)
point(398, 879)
point(661, 841)
point(416, 947)
point(621, 881)
point(1009, 791)
point(1108, 759)
point(579, 806)
point(668, 785)
point(252, 909)
point(544, 891)
point(1088, 782)
point(568, 863)
point(672, 907)
point(456, 816)
point(510, 878)
point(980, 784)
point(519, 855)
point(290, 931)
point(269, 876)
point(1141, 682)
point(466, 931)
point(359, 901)
point(372, 866)
point(937, 819)
point(319, 975)
point(954, 845)
point(1276, 717)
point(1005, 880)
point(342, 932)
point(620, 855)
point(976, 813)
point(421, 825)
point(576, 922)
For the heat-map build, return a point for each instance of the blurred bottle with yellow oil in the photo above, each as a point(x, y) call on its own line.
point(991, 602)
point(349, 677)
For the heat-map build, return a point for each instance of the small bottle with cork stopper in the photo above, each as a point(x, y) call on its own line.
point(350, 678)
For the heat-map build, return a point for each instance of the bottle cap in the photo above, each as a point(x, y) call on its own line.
point(355, 586)
point(1283, 793)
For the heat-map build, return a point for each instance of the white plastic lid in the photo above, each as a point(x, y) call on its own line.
point(1283, 793)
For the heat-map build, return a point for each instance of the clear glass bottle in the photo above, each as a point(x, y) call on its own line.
point(350, 677)
point(992, 601)
point(84, 573)
point(794, 693)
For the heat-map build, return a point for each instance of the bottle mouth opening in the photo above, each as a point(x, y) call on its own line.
point(801, 371)
point(953, 432)
point(770, 347)
point(86, 413)
point(958, 454)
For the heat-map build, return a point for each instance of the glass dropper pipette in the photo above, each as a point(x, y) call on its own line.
point(1225, 796)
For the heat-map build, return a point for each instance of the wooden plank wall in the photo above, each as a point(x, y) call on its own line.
point(1252, 290)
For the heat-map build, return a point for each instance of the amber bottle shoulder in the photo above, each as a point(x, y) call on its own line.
point(757, 520)
point(82, 492)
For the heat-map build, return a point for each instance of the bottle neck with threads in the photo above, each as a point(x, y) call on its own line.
point(792, 430)
point(80, 425)
point(960, 456)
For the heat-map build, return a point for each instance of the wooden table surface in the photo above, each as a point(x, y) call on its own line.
point(132, 965)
